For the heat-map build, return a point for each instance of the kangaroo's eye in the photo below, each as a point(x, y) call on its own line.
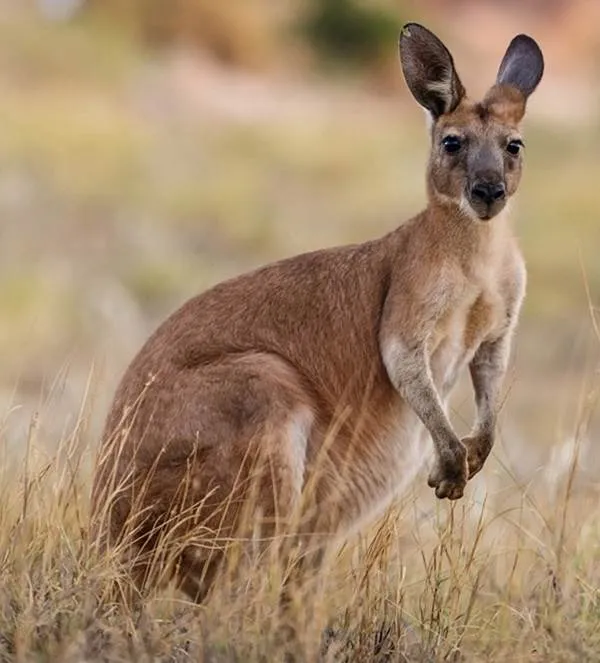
point(452, 144)
point(514, 147)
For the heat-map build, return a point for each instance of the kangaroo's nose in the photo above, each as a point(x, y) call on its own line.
point(488, 192)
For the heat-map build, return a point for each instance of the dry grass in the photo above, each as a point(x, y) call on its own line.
point(509, 573)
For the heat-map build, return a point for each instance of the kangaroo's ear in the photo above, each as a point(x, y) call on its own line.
point(522, 65)
point(429, 70)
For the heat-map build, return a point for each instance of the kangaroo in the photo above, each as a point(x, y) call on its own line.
point(329, 365)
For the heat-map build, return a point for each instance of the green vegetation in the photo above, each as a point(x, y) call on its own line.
point(351, 33)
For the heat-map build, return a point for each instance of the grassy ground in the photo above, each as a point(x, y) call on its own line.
point(506, 574)
point(129, 184)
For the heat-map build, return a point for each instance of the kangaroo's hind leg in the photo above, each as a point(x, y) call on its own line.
point(233, 465)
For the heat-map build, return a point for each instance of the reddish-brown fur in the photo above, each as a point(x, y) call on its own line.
point(300, 388)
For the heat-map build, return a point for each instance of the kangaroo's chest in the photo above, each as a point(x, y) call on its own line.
point(471, 319)
point(388, 459)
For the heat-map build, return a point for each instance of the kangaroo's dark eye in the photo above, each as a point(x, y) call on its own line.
point(514, 147)
point(452, 144)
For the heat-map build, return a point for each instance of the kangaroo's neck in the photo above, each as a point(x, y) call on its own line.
point(456, 230)
point(445, 232)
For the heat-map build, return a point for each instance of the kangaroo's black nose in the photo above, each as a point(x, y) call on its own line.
point(488, 192)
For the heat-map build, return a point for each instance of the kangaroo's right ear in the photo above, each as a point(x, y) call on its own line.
point(429, 70)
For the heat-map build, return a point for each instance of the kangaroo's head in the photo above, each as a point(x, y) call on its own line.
point(476, 148)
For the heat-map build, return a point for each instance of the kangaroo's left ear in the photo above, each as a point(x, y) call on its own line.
point(522, 65)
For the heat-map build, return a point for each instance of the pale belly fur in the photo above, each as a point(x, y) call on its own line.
point(395, 460)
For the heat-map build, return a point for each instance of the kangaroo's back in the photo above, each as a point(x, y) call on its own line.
point(300, 309)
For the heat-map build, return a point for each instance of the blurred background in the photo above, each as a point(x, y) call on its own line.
point(150, 148)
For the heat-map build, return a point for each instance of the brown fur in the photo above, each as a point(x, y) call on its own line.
point(300, 388)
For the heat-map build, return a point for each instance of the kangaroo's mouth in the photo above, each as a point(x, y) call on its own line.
point(480, 209)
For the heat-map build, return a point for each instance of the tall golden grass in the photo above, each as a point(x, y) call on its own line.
point(508, 573)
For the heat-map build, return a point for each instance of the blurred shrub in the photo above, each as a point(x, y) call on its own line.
point(352, 33)
point(256, 33)
point(240, 32)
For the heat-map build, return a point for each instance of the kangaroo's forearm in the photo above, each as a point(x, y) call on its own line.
point(409, 372)
point(488, 368)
